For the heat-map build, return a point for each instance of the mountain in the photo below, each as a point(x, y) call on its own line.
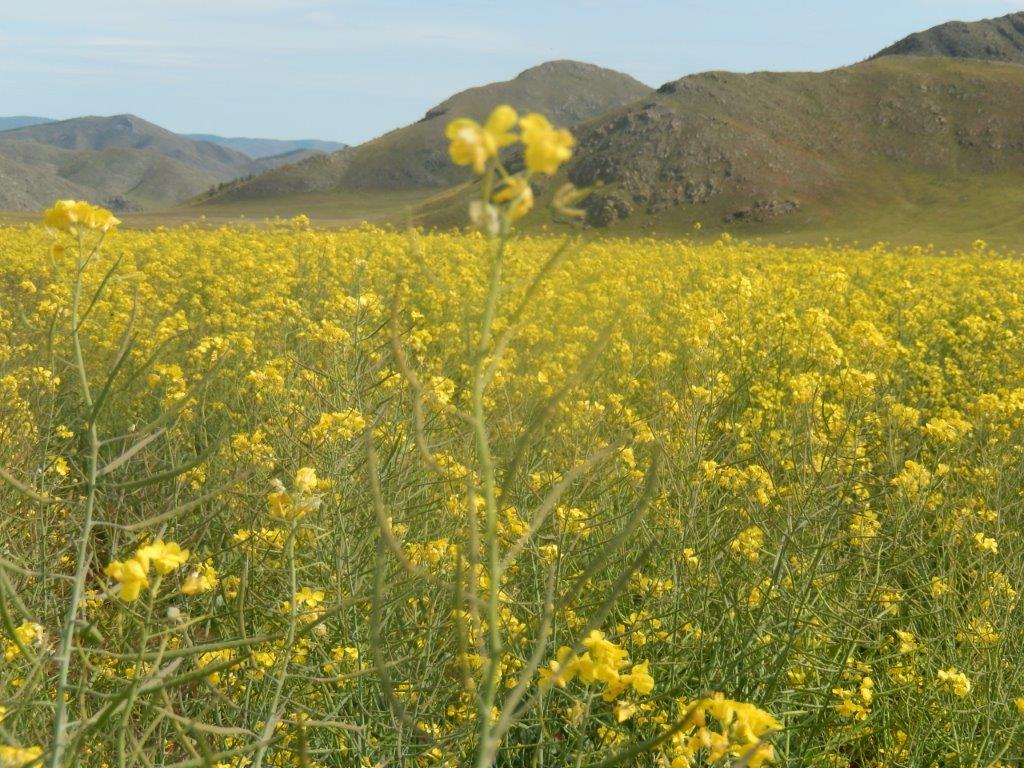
point(793, 148)
point(415, 157)
point(21, 121)
point(871, 150)
point(33, 187)
point(999, 39)
point(131, 132)
point(122, 161)
point(263, 148)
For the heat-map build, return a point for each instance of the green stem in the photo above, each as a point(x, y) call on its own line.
point(485, 462)
point(293, 618)
point(60, 731)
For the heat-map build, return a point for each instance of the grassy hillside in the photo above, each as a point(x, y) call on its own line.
point(121, 161)
point(28, 186)
point(999, 39)
point(903, 149)
point(415, 157)
point(131, 132)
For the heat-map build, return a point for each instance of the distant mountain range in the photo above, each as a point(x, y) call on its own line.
point(929, 129)
point(21, 121)
point(261, 148)
point(123, 161)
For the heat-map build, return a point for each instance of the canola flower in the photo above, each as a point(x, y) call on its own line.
point(724, 729)
point(132, 575)
point(19, 757)
point(603, 662)
point(77, 216)
point(547, 148)
point(475, 145)
point(955, 681)
point(507, 198)
point(202, 579)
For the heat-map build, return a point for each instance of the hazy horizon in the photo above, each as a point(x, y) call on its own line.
point(342, 71)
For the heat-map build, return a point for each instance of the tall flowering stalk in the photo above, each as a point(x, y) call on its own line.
point(88, 226)
point(503, 198)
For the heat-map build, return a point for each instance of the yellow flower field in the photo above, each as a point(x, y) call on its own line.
point(367, 498)
point(830, 442)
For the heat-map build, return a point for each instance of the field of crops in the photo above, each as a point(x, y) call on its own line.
point(741, 504)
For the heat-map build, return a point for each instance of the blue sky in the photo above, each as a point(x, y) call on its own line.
point(335, 69)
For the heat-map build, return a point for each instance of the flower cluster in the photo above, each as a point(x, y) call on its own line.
point(954, 681)
point(78, 216)
point(722, 728)
point(19, 757)
point(296, 505)
point(545, 150)
point(132, 575)
point(603, 662)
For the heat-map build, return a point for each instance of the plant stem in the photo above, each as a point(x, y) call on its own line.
point(60, 735)
point(485, 462)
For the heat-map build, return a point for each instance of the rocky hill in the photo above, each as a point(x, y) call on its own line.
point(731, 147)
point(871, 150)
point(999, 39)
point(415, 157)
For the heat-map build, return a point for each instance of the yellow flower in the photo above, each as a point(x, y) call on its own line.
point(641, 679)
point(907, 641)
point(978, 632)
point(985, 543)
point(305, 480)
point(939, 586)
point(27, 633)
point(215, 657)
point(474, 144)
point(130, 575)
point(690, 558)
point(624, 710)
point(18, 757)
point(280, 504)
point(309, 597)
point(546, 146)
point(955, 680)
point(68, 215)
point(748, 543)
point(519, 194)
point(164, 557)
point(200, 580)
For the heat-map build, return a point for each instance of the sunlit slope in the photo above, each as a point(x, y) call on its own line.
point(999, 39)
point(122, 161)
point(415, 157)
point(910, 149)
